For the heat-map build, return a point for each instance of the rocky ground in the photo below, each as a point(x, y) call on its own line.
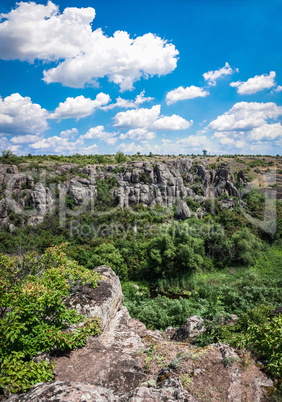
point(127, 362)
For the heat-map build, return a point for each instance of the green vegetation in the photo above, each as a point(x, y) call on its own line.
point(215, 266)
point(33, 316)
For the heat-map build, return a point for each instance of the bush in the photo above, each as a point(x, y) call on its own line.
point(33, 315)
point(261, 332)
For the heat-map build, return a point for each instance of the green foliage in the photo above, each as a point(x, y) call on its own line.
point(9, 157)
point(161, 312)
point(33, 315)
point(108, 254)
point(255, 203)
point(259, 331)
point(174, 252)
point(120, 157)
point(246, 247)
point(105, 199)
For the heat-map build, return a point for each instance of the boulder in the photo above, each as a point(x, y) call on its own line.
point(183, 211)
point(103, 301)
point(66, 391)
point(190, 329)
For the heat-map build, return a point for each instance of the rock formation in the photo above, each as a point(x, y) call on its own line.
point(33, 195)
point(129, 363)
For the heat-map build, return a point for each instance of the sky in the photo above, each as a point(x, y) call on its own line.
point(161, 76)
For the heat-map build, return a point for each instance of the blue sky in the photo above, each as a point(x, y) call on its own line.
point(168, 77)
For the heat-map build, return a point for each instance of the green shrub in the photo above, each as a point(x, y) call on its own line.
point(260, 332)
point(34, 317)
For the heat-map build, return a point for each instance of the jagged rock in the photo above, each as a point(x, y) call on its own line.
point(3, 209)
point(169, 332)
point(242, 177)
point(66, 391)
point(111, 360)
point(12, 169)
point(41, 199)
point(190, 329)
point(137, 182)
point(35, 220)
point(103, 301)
point(144, 394)
point(82, 190)
point(183, 210)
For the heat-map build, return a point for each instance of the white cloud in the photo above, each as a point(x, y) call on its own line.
point(133, 148)
point(212, 76)
point(182, 93)
point(195, 141)
point(34, 31)
point(246, 116)
point(18, 115)
point(173, 122)
point(129, 104)
point(79, 107)
point(278, 89)
point(150, 119)
point(255, 84)
point(248, 126)
point(266, 132)
point(137, 118)
point(70, 134)
point(122, 59)
point(99, 133)
point(138, 134)
point(24, 139)
point(88, 150)
point(58, 145)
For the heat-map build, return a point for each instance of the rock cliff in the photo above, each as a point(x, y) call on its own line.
point(31, 195)
point(127, 362)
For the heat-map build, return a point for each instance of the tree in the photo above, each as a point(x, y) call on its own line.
point(120, 157)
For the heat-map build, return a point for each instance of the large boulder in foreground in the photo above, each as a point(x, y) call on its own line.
point(103, 302)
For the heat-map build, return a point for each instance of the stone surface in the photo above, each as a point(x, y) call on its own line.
point(129, 363)
point(66, 391)
point(144, 183)
point(190, 329)
point(103, 302)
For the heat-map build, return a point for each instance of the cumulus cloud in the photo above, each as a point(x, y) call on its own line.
point(34, 31)
point(212, 76)
point(150, 119)
point(129, 104)
point(24, 139)
point(246, 116)
point(248, 125)
point(133, 148)
point(278, 89)
point(138, 134)
point(79, 107)
point(70, 134)
point(266, 132)
point(173, 122)
point(18, 115)
point(99, 133)
point(182, 93)
point(63, 146)
point(255, 84)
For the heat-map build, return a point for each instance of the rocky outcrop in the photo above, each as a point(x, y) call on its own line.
point(190, 329)
point(103, 302)
point(33, 195)
point(129, 363)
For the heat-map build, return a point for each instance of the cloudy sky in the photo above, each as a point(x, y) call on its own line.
point(161, 76)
